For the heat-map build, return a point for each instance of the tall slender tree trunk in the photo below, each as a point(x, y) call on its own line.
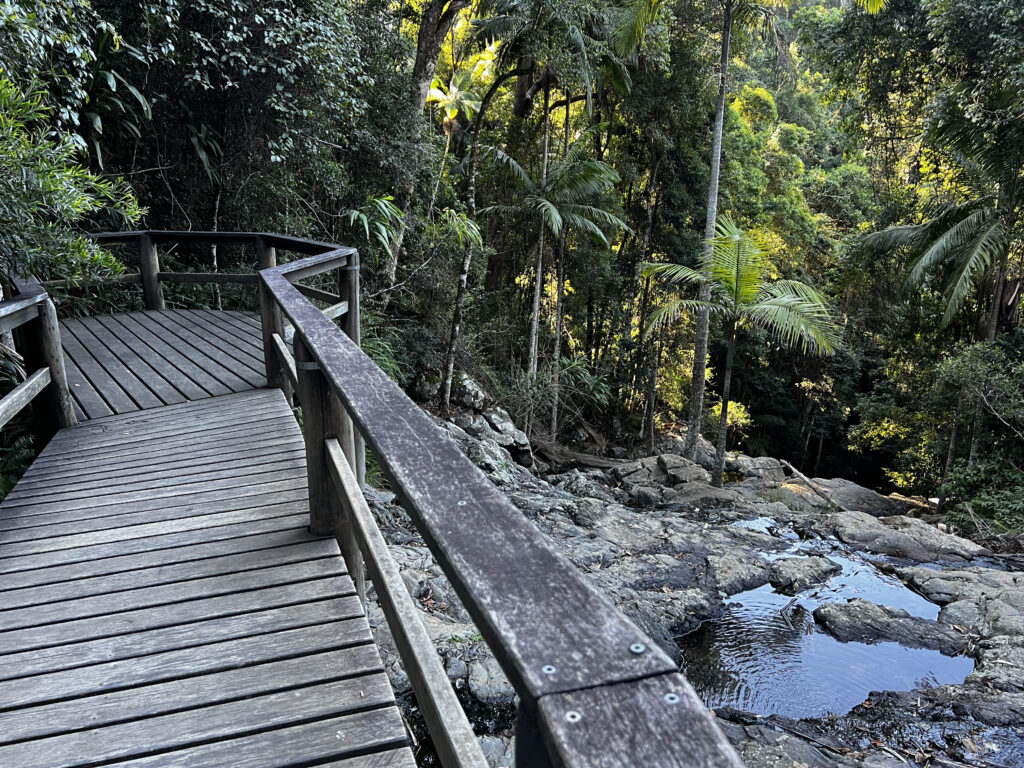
point(723, 422)
point(559, 315)
point(213, 249)
point(440, 174)
point(474, 140)
point(538, 283)
point(453, 336)
point(650, 407)
point(556, 361)
point(437, 17)
point(700, 344)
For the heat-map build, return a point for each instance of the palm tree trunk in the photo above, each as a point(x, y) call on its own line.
point(474, 142)
point(440, 175)
point(723, 422)
point(954, 439)
point(991, 330)
point(652, 396)
point(539, 278)
point(700, 344)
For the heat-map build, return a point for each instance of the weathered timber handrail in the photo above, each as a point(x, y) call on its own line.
point(32, 318)
point(22, 395)
point(594, 690)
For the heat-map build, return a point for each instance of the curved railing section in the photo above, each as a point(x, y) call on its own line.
point(593, 689)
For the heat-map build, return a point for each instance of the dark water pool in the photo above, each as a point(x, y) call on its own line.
point(766, 656)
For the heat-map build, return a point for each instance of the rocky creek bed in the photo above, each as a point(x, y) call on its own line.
point(860, 638)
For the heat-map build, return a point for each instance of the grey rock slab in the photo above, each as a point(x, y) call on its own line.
point(790, 575)
point(905, 537)
point(734, 573)
point(862, 621)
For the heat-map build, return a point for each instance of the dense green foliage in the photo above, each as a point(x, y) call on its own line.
point(507, 169)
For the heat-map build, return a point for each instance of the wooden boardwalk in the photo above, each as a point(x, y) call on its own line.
point(161, 602)
point(164, 602)
point(139, 360)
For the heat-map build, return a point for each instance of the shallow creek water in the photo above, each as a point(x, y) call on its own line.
point(766, 656)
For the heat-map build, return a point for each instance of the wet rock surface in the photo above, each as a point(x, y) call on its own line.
point(863, 621)
point(792, 575)
point(840, 595)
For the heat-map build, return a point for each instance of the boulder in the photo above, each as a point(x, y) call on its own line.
point(705, 455)
point(426, 386)
point(700, 496)
point(762, 468)
point(905, 537)
point(681, 470)
point(647, 496)
point(983, 600)
point(790, 575)
point(862, 621)
point(646, 471)
point(735, 574)
point(488, 684)
point(849, 495)
point(468, 393)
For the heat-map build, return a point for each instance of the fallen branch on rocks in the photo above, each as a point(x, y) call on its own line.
point(562, 457)
point(801, 476)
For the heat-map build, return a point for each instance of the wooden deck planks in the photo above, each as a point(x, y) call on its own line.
point(119, 364)
point(162, 603)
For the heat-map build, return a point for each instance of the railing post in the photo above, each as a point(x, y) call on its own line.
point(271, 322)
point(38, 342)
point(531, 752)
point(149, 269)
point(53, 357)
point(348, 290)
point(322, 418)
point(266, 255)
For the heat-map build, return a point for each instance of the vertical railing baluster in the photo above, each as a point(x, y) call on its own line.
point(271, 322)
point(348, 289)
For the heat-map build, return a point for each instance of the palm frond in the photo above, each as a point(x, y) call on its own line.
point(791, 288)
point(737, 260)
point(974, 145)
point(584, 224)
point(872, 6)
point(987, 246)
point(794, 320)
point(676, 273)
point(507, 164)
point(577, 37)
point(597, 215)
point(947, 244)
point(548, 211)
point(636, 17)
point(501, 210)
point(669, 313)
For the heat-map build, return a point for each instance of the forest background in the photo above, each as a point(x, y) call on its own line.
point(510, 169)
